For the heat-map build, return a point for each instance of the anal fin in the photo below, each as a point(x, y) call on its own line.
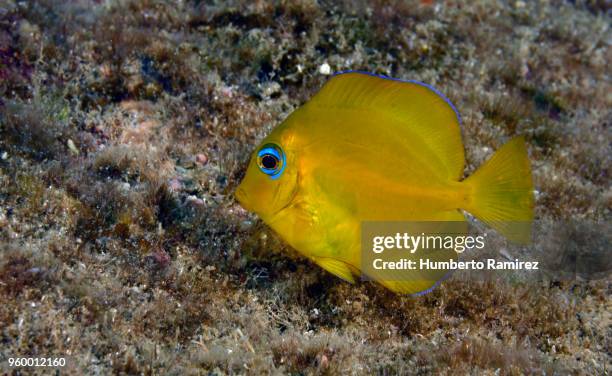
point(336, 267)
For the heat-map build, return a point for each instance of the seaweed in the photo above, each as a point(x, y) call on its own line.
point(126, 126)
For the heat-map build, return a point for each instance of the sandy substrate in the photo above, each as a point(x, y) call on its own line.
point(126, 126)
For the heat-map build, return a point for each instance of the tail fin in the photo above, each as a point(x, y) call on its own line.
point(502, 192)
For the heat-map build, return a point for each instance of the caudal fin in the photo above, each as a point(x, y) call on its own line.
point(502, 192)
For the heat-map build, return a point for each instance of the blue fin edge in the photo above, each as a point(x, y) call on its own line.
point(435, 286)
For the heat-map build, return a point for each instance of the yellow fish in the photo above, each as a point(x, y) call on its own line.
point(371, 148)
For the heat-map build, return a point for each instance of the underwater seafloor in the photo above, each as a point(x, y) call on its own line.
point(126, 125)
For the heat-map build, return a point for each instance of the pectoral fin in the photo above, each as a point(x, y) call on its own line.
point(336, 267)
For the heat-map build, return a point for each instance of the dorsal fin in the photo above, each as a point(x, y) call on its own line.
point(426, 113)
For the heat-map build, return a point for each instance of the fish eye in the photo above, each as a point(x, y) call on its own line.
point(271, 160)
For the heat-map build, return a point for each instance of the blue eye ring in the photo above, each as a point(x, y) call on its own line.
point(271, 160)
